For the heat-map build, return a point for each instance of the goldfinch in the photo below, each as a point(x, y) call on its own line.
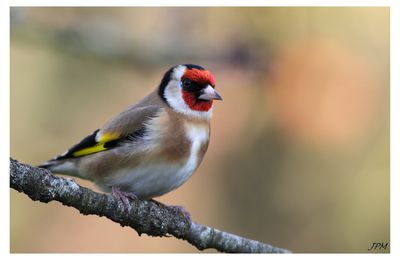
point(153, 146)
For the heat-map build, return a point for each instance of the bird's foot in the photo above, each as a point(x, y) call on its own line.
point(123, 196)
point(181, 209)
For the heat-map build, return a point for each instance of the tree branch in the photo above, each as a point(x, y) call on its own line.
point(147, 217)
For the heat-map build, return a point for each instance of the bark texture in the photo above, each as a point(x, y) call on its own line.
point(147, 217)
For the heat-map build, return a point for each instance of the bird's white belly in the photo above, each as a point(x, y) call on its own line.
point(152, 179)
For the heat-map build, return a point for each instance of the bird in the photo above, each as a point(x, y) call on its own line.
point(153, 146)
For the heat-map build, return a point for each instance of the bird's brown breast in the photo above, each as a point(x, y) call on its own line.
point(177, 144)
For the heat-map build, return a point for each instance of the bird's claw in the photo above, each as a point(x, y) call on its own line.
point(181, 209)
point(123, 196)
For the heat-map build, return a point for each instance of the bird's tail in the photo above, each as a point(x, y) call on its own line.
point(64, 166)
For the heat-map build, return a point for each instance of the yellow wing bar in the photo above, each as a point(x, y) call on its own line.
point(99, 146)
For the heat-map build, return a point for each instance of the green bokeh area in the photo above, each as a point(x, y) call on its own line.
point(299, 150)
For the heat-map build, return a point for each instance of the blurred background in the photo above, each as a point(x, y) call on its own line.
point(299, 152)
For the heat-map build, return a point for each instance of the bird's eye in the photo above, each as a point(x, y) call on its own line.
point(187, 82)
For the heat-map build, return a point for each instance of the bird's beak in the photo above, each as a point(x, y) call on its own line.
point(209, 93)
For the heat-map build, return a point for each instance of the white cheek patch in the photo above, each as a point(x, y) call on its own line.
point(178, 73)
point(173, 95)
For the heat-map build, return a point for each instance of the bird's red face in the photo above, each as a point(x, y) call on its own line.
point(198, 89)
point(189, 89)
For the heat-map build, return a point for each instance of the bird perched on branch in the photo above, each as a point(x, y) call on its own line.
point(153, 146)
